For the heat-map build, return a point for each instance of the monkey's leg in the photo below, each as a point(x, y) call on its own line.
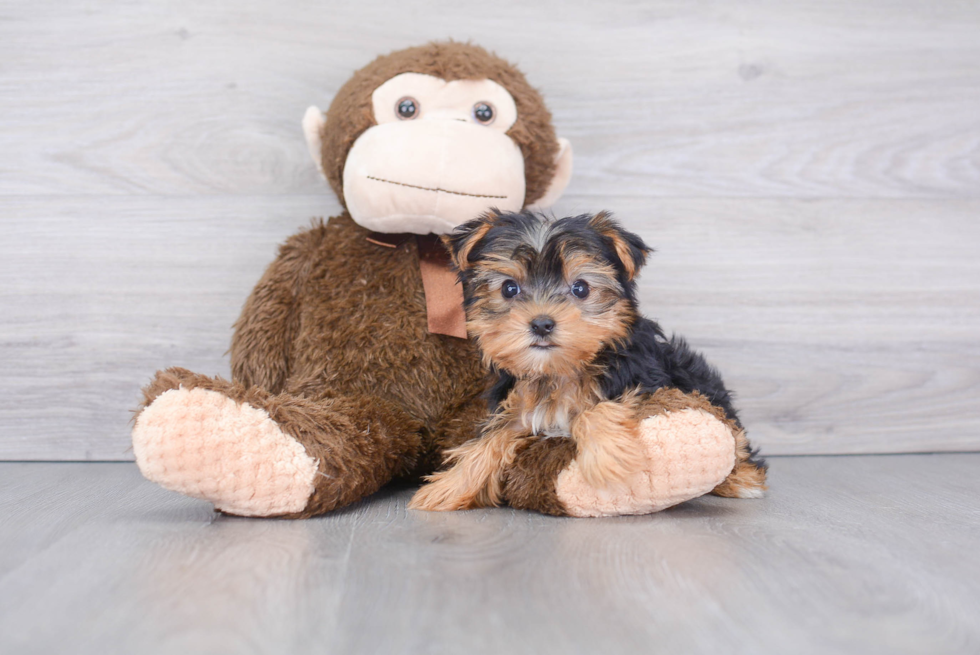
point(475, 477)
point(688, 447)
point(253, 453)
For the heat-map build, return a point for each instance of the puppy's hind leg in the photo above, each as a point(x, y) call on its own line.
point(748, 478)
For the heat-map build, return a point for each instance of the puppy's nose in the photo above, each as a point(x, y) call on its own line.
point(542, 326)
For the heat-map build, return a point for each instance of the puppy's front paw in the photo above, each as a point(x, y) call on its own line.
point(609, 450)
point(442, 494)
point(610, 464)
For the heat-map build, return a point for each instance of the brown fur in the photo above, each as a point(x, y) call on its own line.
point(360, 325)
point(529, 483)
point(356, 441)
point(333, 344)
point(351, 112)
point(333, 341)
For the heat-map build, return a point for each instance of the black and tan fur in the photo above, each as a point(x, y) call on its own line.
point(333, 342)
point(588, 376)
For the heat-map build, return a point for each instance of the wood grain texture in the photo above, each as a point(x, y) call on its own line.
point(836, 337)
point(809, 172)
point(666, 98)
point(859, 554)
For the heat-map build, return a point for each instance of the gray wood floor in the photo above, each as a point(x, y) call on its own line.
point(861, 554)
point(809, 172)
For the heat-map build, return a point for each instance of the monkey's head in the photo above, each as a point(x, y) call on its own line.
point(424, 139)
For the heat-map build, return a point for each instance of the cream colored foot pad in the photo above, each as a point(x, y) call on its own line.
point(203, 444)
point(704, 455)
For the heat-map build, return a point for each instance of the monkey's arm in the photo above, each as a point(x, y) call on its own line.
point(269, 322)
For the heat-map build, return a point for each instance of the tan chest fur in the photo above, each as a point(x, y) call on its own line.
point(548, 406)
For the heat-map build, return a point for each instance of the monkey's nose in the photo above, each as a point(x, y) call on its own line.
point(542, 326)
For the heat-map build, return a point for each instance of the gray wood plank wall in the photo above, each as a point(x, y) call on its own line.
point(808, 171)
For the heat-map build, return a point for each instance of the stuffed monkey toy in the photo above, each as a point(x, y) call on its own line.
point(350, 363)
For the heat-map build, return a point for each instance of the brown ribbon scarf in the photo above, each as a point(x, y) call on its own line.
point(443, 292)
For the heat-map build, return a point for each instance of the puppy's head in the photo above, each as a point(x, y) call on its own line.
point(544, 296)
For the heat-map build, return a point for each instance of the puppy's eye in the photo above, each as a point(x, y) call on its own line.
point(580, 289)
point(407, 108)
point(509, 289)
point(483, 112)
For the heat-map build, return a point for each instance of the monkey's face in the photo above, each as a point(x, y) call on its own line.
point(438, 156)
point(426, 138)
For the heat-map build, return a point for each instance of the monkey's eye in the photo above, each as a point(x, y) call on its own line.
point(509, 289)
point(407, 108)
point(580, 289)
point(483, 112)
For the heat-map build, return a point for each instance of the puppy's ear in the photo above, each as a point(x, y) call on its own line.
point(629, 247)
point(461, 241)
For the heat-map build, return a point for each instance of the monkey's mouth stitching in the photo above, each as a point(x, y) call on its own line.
point(425, 188)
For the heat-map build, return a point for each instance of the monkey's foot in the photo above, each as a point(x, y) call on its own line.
point(688, 448)
point(688, 453)
point(201, 443)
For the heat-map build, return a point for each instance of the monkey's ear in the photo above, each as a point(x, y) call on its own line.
point(563, 173)
point(629, 248)
point(313, 122)
point(461, 241)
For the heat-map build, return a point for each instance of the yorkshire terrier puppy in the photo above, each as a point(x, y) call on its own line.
point(552, 305)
